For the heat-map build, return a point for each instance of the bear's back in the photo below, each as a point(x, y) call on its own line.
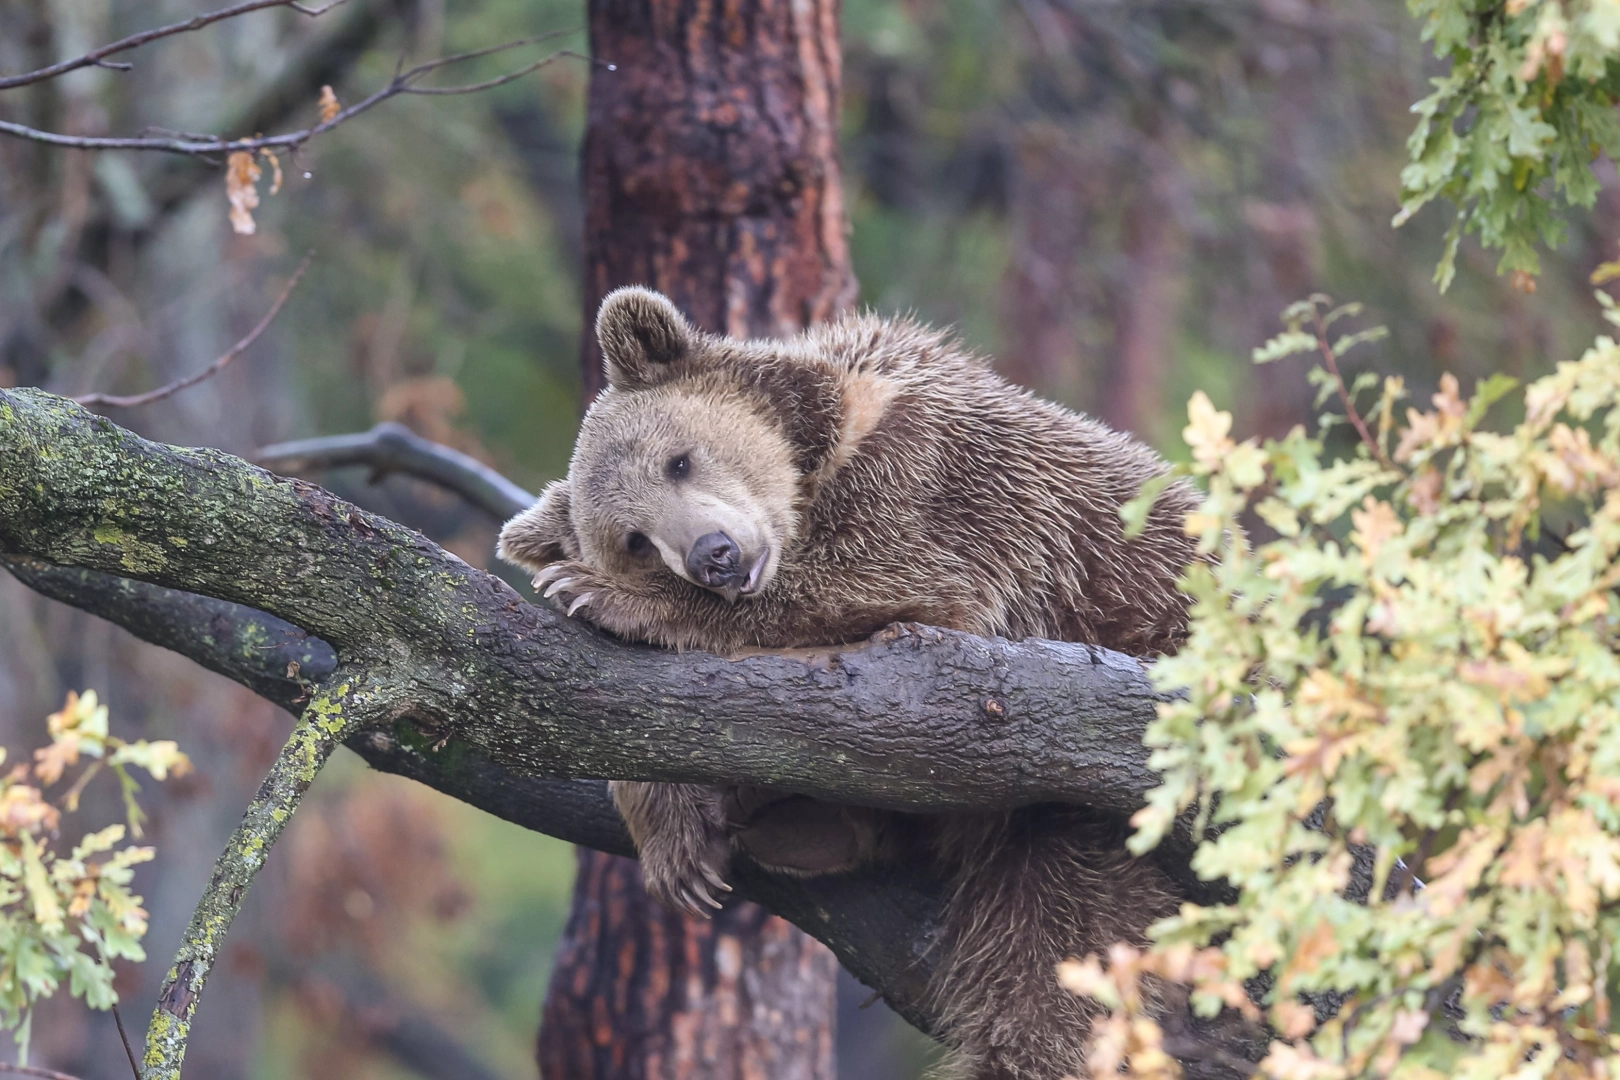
point(1004, 501)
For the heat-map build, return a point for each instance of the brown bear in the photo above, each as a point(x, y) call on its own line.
point(732, 494)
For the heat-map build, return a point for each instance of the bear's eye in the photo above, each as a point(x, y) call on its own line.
point(638, 544)
point(678, 467)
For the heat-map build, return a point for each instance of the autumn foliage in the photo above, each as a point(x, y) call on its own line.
point(67, 915)
point(1399, 733)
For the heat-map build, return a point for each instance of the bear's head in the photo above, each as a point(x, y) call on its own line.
point(684, 465)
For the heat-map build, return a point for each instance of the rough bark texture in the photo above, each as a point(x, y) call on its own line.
point(495, 702)
point(710, 165)
point(711, 174)
point(663, 996)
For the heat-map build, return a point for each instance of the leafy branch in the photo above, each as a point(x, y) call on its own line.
point(1511, 132)
point(1329, 377)
point(1402, 661)
point(53, 903)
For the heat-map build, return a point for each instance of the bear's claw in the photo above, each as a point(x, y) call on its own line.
point(715, 879)
point(682, 869)
point(692, 893)
point(549, 573)
point(581, 601)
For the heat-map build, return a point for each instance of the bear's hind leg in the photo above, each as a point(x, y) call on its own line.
point(1029, 890)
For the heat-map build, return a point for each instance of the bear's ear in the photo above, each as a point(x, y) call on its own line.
point(542, 534)
point(643, 337)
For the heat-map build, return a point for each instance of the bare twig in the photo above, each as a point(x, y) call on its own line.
point(94, 58)
point(1332, 361)
point(212, 369)
point(389, 448)
point(34, 1070)
point(123, 1037)
point(402, 83)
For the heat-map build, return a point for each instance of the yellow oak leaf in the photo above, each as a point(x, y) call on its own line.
point(1207, 431)
point(1374, 524)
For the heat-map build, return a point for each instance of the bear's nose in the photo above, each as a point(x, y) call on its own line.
point(715, 560)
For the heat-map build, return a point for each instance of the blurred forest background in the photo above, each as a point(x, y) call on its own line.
point(1112, 197)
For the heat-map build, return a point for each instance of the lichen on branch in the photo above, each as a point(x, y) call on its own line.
point(344, 705)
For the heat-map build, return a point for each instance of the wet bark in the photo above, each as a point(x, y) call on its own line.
point(878, 921)
point(902, 721)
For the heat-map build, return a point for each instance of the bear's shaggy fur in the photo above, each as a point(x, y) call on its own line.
point(864, 473)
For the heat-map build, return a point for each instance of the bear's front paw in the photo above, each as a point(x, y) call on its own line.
point(573, 585)
point(682, 866)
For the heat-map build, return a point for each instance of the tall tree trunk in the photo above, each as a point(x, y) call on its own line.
point(711, 167)
point(711, 174)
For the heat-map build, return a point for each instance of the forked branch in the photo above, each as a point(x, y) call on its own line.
point(499, 702)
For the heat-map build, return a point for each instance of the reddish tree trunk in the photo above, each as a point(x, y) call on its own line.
point(711, 168)
point(710, 174)
point(641, 992)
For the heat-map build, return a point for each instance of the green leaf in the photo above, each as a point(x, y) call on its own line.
point(1134, 512)
point(1488, 393)
point(1350, 341)
point(1288, 343)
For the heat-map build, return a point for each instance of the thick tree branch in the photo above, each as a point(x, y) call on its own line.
point(878, 922)
point(916, 719)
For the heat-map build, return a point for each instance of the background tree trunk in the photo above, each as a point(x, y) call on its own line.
point(711, 174)
point(711, 164)
point(640, 992)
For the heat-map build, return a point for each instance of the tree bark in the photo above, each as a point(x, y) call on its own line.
point(651, 994)
point(917, 718)
point(711, 174)
point(710, 164)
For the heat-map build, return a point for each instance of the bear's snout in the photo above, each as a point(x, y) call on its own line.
point(715, 561)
